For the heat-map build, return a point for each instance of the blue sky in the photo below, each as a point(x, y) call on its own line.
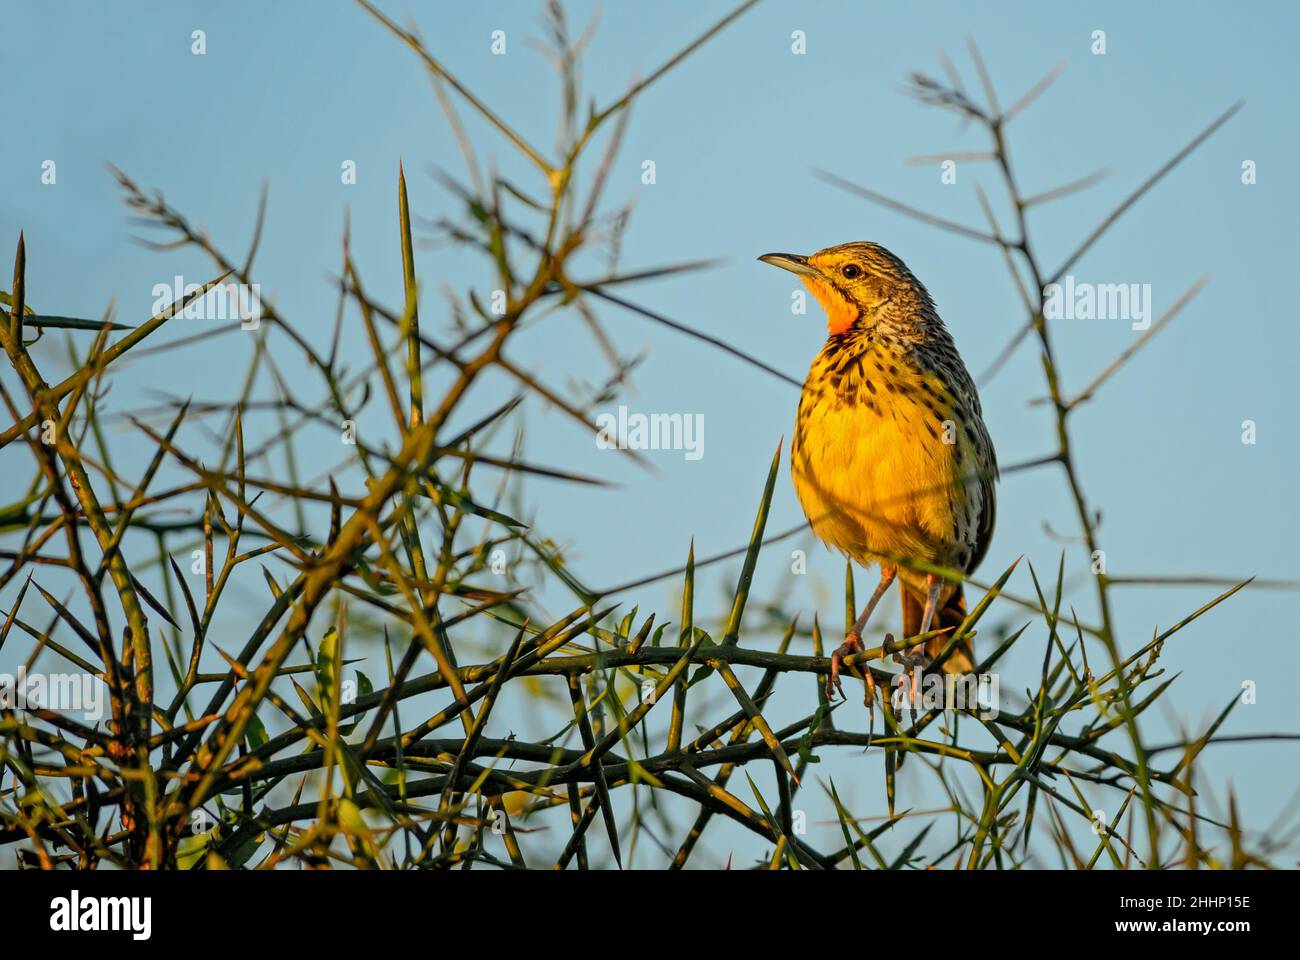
point(286, 92)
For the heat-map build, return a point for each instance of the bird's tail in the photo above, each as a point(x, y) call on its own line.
point(951, 614)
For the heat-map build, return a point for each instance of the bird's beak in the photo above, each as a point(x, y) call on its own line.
point(792, 262)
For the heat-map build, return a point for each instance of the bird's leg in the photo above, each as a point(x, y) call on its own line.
point(915, 659)
point(933, 586)
point(853, 641)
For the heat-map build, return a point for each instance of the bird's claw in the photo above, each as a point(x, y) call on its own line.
point(913, 661)
point(851, 645)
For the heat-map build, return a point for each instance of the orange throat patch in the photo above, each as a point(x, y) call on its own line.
point(841, 313)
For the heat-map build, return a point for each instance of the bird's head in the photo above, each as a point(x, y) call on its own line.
point(854, 282)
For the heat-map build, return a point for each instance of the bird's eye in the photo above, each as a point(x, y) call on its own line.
point(851, 271)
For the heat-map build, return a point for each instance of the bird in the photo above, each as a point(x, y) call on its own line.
point(891, 460)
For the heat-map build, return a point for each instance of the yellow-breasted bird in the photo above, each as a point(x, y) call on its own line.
point(891, 459)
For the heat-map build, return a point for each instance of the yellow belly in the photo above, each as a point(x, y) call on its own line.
point(888, 476)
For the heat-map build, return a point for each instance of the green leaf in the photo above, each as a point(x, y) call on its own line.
point(443, 494)
point(731, 635)
point(364, 689)
point(8, 301)
point(910, 849)
point(71, 323)
point(327, 659)
point(255, 732)
point(16, 513)
point(805, 742)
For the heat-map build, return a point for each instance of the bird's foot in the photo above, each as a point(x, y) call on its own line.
point(914, 662)
point(852, 644)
